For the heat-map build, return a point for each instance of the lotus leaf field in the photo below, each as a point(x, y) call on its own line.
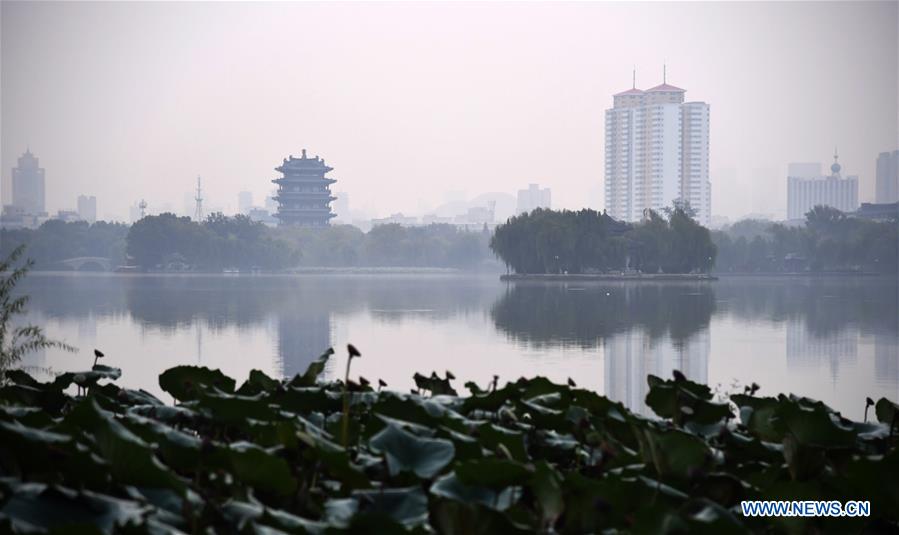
point(82, 455)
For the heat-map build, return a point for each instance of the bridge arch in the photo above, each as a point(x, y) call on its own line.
point(88, 263)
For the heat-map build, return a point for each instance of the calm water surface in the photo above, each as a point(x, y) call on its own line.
point(835, 339)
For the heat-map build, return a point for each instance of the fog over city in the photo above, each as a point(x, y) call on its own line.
point(415, 104)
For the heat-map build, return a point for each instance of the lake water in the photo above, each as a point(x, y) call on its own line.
point(834, 339)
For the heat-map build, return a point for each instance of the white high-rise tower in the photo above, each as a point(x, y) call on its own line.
point(657, 153)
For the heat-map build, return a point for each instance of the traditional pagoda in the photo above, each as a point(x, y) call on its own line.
point(304, 193)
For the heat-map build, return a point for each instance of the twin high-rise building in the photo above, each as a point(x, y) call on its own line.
point(657, 154)
point(304, 192)
point(806, 188)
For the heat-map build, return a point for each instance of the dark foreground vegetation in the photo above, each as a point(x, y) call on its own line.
point(829, 241)
point(306, 456)
point(587, 241)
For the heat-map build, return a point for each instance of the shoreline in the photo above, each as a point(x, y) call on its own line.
point(648, 277)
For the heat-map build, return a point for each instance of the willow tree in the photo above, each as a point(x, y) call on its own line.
point(17, 341)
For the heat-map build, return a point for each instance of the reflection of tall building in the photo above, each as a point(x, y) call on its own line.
point(806, 349)
point(302, 337)
point(631, 356)
point(886, 360)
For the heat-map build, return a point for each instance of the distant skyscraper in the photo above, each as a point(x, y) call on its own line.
point(87, 208)
point(28, 185)
point(533, 198)
point(244, 202)
point(887, 177)
point(805, 190)
point(342, 206)
point(657, 153)
point(304, 193)
point(270, 203)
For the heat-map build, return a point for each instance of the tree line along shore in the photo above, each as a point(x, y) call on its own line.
point(542, 242)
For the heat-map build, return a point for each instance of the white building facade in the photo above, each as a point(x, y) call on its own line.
point(657, 154)
point(87, 208)
point(805, 191)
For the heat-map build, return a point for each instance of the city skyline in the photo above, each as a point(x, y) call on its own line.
point(145, 115)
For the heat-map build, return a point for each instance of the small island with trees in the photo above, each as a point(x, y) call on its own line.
point(547, 245)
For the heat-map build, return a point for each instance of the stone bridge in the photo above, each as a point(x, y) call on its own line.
point(88, 263)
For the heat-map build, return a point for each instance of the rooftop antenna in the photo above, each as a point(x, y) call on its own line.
point(199, 198)
point(634, 86)
point(664, 73)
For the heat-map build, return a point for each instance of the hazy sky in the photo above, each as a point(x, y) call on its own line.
point(408, 101)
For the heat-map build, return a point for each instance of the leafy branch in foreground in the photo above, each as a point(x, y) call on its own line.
point(16, 342)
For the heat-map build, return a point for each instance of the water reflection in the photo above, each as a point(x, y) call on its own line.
point(826, 320)
point(300, 308)
point(642, 329)
point(787, 333)
point(588, 314)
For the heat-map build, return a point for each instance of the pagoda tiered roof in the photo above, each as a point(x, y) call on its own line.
point(303, 178)
point(291, 164)
point(304, 194)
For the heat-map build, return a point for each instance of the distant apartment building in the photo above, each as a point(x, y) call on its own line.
point(434, 219)
point(28, 185)
point(87, 208)
point(13, 217)
point(263, 216)
point(533, 198)
point(244, 202)
point(657, 153)
point(68, 216)
point(482, 214)
point(878, 211)
point(806, 188)
point(341, 206)
point(395, 219)
point(887, 185)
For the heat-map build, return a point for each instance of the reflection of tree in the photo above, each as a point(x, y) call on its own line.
point(824, 305)
point(561, 313)
point(218, 302)
point(301, 306)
